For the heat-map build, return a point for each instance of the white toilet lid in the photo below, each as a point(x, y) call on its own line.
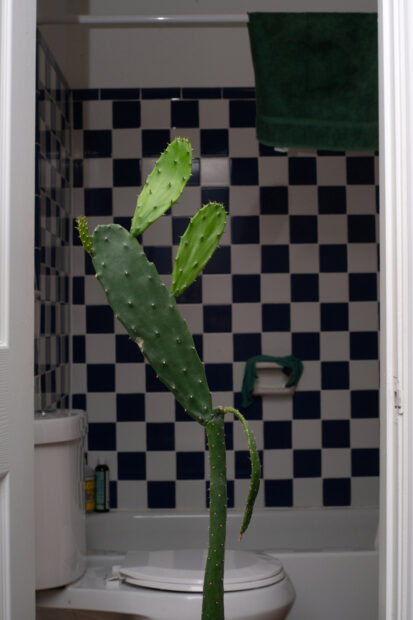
point(183, 570)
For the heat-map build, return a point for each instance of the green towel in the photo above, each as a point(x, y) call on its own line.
point(316, 78)
point(291, 364)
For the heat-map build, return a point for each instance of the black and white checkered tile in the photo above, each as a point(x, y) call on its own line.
point(52, 234)
point(296, 273)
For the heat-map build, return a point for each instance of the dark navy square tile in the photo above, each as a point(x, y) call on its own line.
point(101, 377)
point(217, 318)
point(334, 317)
point(361, 228)
point(277, 435)
point(365, 462)
point(238, 92)
point(364, 346)
point(307, 463)
point(274, 200)
point(243, 464)
point(154, 141)
point(333, 258)
point(85, 94)
point(184, 114)
point(363, 286)
point(102, 436)
point(276, 317)
point(126, 114)
point(220, 262)
point(302, 170)
point(337, 492)
point(230, 494)
point(327, 153)
point(304, 287)
point(253, 412)
point(190, 465)
point(119, 93)
point(125, 223)
point(98, 201)
point(219, 377)
point(131, 466)
point(365, 403)
point(332, 199)
point(229, 435)
point(215, 194)
point(153, 384)
point(77, 115)
point(99, 320)
point(161, 494)
point(246, 346)
point(307, 405)
point(278, 493)
point(244, 170)
point(335, 376)
point(214, 143)
point(160, 93)
point(126, 172)
point(360, 170)
point(79, 401)
point(127, 351)
point(336, 434)
point(97, 143)
point(181, 415)
point(246, 288)
point(193, 294)
point(113, 494)
point(303, 229)
point(242, 113)
point(202, 93)
point(194, 179)
point(245, 229)
point(306, 346)
point(161, 256)
point(130, 407)
point(78, 349)
point(275, 259)
point(179, 226)
point(78, 290)
point(160, 436)
point(77, 173)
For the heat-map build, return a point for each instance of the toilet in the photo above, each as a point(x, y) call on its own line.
point(138, 585)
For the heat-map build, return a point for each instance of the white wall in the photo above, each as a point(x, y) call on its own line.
point(92, 57)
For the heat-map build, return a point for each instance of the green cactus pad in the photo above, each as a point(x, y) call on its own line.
point(84, 234)
point(148, 311)
point(164, 185)
point(197, 245)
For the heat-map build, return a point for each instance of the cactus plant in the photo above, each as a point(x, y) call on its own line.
point(149, 313)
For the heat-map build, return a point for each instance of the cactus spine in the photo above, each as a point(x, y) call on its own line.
point(152, 319)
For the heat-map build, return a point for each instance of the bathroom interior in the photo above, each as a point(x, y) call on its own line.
point(296, 273)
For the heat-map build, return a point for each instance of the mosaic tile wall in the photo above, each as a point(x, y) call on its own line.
point(296, 273)
point(52, 234)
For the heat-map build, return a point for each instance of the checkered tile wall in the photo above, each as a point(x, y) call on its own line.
point(296, 273)
point(52, 234)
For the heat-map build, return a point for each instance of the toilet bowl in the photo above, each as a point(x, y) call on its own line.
point(164, 585)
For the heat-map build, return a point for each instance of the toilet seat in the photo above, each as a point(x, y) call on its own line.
point(183, 570)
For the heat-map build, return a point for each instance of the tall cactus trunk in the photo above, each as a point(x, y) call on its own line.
point(213, 596)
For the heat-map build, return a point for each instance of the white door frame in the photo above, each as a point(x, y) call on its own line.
point(17, 139)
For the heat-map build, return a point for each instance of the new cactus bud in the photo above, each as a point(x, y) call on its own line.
point(84, 234)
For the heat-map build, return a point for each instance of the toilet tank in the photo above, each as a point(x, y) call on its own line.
point(60, 523)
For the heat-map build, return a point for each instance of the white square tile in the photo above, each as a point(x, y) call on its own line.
point(189, 436)
point(132, 495)
point(277, 344)
point(307, 492)
point(188, 203)
point(193, 135)
point(302, 200)
point(78, 320)
point(245, 258)
point(94, 293)
point(131, 436)
point(365, 433)
point(278, 464)
point(273, 170)
point(246, 318)
point(240, 438)
point(305, 316)
point(333, 287)
point(214, 171)
point(159, 233)
point(130, 378)
point(238, 369)
point(364, 375)
point(274, 229)
point(156, 114)
point(217, 289)
point(218, 348)
point(97, 114)
point(77, 143)
point(244, 200)
point(304, 258)
point(160, 465)
point(214, 114)
point(124, 201)
point(101, 407)
point(362, 257)
point(190, 495)
point(110, 458)
point(159, 407)
point(363, 316)
point(277, 407)
point(193, 315)
point(332, 228)
point(147, 165)
point(335, 404)
point(306, 434)
point(311, 377)
point(225, 399)
point(334, 346)
point(361, 199)
point(126, 143)
point(336, 463)
point(78, 379)
point(243, 142)
point(331, 170)
point(100, 348)
point(365, 491)
point(275, 288)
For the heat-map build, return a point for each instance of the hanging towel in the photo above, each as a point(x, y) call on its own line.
point(290, 363)
point(316, 78)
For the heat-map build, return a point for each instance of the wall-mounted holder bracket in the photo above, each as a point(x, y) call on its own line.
point(271, 379)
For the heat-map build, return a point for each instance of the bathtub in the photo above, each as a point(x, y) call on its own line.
point(329, 554)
